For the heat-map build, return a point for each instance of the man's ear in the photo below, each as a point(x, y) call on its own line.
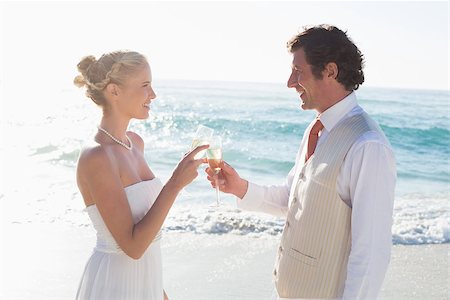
point(331, 70)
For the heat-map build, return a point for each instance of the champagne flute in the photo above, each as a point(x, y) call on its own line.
point(214, 155)
point(202, 137)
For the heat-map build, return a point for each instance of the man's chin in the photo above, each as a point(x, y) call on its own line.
point(304, 106)
point(303, 102)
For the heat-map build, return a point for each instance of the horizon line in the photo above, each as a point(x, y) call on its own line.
point(447, 89)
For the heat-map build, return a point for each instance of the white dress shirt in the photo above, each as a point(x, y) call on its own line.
point(366, 183)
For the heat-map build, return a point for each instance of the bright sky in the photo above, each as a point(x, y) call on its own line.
point(406, 44)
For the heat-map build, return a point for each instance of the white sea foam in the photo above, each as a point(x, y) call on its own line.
point(422, 219)
point(418, 219)
point(222, 220)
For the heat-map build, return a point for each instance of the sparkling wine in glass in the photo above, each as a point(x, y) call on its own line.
point(202, 137)
point(214, 155)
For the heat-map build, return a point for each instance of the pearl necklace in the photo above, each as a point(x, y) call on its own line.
point(116, 140)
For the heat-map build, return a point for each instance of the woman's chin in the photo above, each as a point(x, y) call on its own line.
point(143, 116)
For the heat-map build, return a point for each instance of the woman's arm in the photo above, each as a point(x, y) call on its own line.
point(102, 181)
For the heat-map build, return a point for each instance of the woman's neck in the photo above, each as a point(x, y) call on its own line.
point(116, 126)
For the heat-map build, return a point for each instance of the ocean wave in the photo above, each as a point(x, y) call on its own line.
point(255, 127)
point(419, 139)
point(427, 174)
point(422, 219)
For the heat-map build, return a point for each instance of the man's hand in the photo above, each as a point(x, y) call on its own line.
point(228, 180)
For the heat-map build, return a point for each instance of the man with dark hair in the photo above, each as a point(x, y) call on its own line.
point(338, 198)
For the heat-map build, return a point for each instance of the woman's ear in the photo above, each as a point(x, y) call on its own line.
point(331, 70)
point(112, 89)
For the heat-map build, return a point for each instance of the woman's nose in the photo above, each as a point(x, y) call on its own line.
point(152, 93)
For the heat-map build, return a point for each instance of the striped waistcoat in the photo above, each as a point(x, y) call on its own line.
point(315, 245)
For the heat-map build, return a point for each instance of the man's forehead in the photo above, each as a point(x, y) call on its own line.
point(298, 57)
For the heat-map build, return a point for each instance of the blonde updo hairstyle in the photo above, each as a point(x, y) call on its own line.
point(114, 67)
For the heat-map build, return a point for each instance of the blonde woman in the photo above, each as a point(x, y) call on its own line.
point(125, 201)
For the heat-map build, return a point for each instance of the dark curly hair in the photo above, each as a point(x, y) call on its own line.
point(324, 44)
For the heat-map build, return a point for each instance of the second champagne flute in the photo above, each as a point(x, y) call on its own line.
point(214, 155)
point(201, 137)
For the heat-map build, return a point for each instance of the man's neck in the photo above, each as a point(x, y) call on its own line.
point(334, 97)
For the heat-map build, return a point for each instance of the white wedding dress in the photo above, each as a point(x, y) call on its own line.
point(110, 273)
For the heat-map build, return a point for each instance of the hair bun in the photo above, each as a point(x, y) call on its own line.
point(79, 81)
point(85, 63)
point(83, 66)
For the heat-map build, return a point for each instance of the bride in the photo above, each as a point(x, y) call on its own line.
point(125, 201)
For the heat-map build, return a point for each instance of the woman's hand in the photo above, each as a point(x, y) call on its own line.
point(186, 170)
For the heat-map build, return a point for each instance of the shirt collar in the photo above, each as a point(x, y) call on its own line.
point(335, 113)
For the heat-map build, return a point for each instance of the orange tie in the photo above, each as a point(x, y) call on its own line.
point(313, 137)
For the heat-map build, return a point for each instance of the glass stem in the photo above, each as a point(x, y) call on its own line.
point(217, 191)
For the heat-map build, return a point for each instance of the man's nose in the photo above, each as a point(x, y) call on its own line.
point(292, 81)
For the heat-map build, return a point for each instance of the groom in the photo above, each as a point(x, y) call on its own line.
point(338, 197)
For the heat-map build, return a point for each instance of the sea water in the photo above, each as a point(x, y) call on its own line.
point(261, 126)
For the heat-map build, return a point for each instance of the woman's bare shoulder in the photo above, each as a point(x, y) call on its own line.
point(93, 156)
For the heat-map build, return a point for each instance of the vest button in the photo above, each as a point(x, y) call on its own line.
point(302, 176)
point(287, 224)
point(280, 249)
point(275, 272)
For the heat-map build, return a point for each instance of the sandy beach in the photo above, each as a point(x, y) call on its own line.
point(45, 261)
